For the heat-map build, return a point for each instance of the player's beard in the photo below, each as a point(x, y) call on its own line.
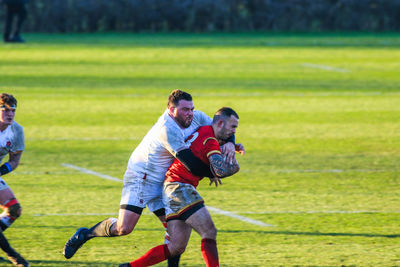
point(224, 135)
point(184, 122)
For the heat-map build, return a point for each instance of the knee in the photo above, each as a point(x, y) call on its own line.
point(15, 210)
point(176, 250)
point(124, 229)
point(211, 233)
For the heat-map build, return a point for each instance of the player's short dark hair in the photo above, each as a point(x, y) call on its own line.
point(224, 113)
point(7, 100)
point(176, 96)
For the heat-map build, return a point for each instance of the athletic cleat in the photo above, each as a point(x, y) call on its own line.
point(18, 260)
point(124, 265)
point(75, 242)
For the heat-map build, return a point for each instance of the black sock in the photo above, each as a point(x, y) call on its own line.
point(3, 226)
point(103, 228)
point(174, 261)
point(5, 246)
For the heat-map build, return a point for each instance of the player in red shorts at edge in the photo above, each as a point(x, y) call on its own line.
point(184, 206)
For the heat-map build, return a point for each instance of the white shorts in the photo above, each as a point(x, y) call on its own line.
point(3, 184)
point(142, 192)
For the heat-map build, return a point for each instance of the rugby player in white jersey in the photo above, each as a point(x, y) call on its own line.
point(144, 177)
point(12, 144)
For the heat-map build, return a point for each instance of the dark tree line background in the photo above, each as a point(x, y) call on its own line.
point(212, 15)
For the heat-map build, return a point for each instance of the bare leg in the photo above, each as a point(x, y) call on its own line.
point(11, 208)
point(5, 195)
point(180, 234)
point(173, 261)
point(110, 227)
point(127, 221)
point(202, 223)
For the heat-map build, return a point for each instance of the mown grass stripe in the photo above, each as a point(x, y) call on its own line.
point(219, 211)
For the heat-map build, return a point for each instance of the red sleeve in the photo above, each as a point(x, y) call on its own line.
point(211, 146)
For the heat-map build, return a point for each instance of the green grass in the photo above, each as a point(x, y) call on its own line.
point(319, 142)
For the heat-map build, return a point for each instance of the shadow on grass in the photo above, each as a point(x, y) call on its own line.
point(70, 263)
point(91, 264)
point(72, 84)
point(311, 233)
point(58, 227)
point(59, 263)
point(246, 231)
point(342, 39)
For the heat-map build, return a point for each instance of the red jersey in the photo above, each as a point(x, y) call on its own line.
point(203, 144)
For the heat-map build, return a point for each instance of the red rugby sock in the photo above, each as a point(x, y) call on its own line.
point(153, 256)
point(209, 252)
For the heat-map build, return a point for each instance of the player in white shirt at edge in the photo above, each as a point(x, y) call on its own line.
point(12, 143)
point(145, 174)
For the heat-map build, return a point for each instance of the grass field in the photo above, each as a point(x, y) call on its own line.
point(319, 116)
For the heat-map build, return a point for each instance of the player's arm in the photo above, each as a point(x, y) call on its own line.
point(193, 163)
point(229, 149)
point(12, 164)
point(174, 141)
point(222, 168)
point(240, 149)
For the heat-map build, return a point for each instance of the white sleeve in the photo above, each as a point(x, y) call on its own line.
point(19, 141)
point(203, 118)
point(172, 139)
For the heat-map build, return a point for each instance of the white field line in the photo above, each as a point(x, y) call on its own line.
point(239, 217)
point(234, 215)
point(226, 213)
point(323, 171)
point(84, 139)
point(305, 94)
point(324, 67)
point(266, 171)
point(75, 214)
point(104, 176)
point(322, 212)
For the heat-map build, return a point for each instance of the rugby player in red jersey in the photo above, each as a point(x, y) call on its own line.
point(145, 173)
point(184, 206)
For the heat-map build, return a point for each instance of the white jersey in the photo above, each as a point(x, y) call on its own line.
point(11, 140)
point(156, 152)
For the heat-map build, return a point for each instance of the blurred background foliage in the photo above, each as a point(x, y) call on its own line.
point(211, 15)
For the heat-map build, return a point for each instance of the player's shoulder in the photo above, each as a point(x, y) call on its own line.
point(166, 123)
point(16, 127)
point(206, 132)
point(171, 126)
point(200, 116)
point(198, 113)
point(169, 131)
point(206, 129)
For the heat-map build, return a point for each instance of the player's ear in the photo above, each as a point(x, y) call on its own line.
point(171, 109)
point(221, 123)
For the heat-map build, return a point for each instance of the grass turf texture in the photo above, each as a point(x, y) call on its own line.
point(320, 142)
